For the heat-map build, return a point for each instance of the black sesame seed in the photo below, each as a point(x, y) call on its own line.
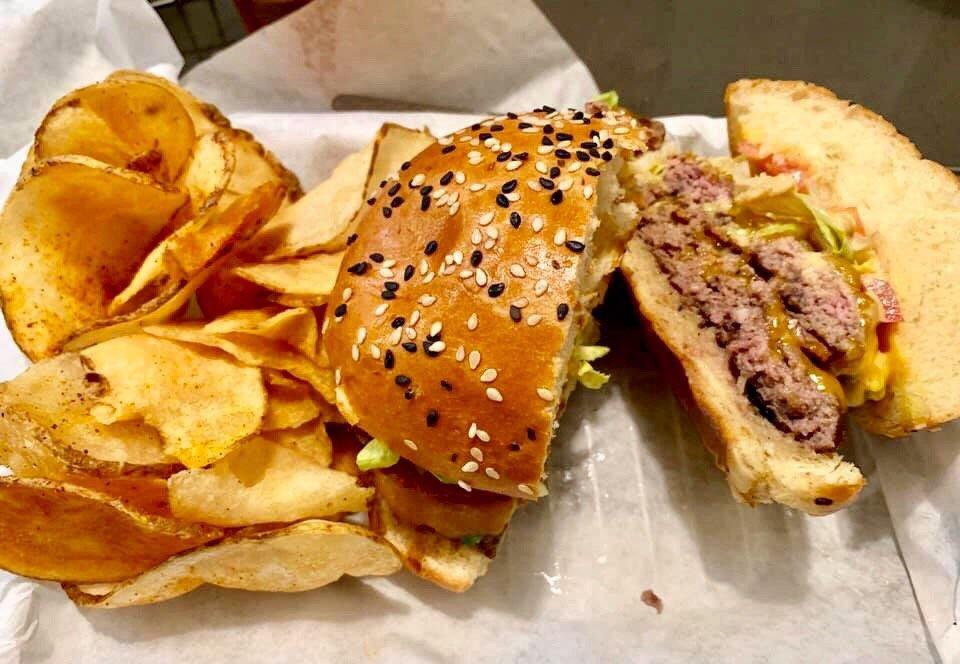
point(388, 360)
point(514, 446)
point(409, 346)
point(484, 135)
point(578, 115)
point(371, 200)
point(521, 156)
point(515, 219)
point(408, 273)
point(608, 143)
point(391, 285)
point(531, 435)
point(512, 116)
point(547, 183)
point(496, 127)
point(387, 212)
point(426, 347)
point(388, 295)
point(405, 165)
point(594, 152)
point(555, 171)
point(431, 248)
point(408, 394)
point(598, 115)
point(586, 145)
point(475, 126)
point(503, 201)
point(562, 310)
point(445, 180)
point(594, 133)
point(396, 202)
point(398, 322)
point(607, 156)
point(358, 268)
point(574, 246)
point(508, 186)
point(524, 125)
point(503, 156)
point(561, 153)
point(515, 313)
point(432, 418)
point(564, 136)
point(496, 290)
point(546, 141)
point(447, 386)
point(392, 191)
point(402, 380)
point(822, 500)
point(341, 310)
point(383, 183)
point(590, 170)
point(376, 257)
point(476, 257)
point(447, 149)
point(433, 337)
point(556, 197)
point(548, 129)
point(549, 109)
point(426, 189)
point(352, 238)
point(424, 203)
point(582, 156)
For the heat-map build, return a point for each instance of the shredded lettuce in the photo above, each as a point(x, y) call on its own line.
point(471, 540)
point(590, 377)
point(376, 454)
point(610, 98)
point(590, 353)
point(791, 213)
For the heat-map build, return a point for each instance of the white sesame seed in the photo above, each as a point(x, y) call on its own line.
point(437, 347)
point(461, 353)
point(564, 184)
point(386, 273)
point(534, 320)
point(477, 186)
point(438, 193)
point(459, 177)
point(545, 394)
point(347, 292)
point(520, 303)
point(435, 328)
point(454, 208)
point(481, 278)
point(604, 135)
point(476, 237)
point(475, 161)
point(544, 149)
point(463, 485)
point(464, 139)
point(445, 140)
point(537, 224)
point(488, 376)
point(458, 257)
point(390, 263)
point(470, 467)
point(466, 274)
point(530, 130)
point(474, 359)
point(427, 300)
point(473, 322)
point(443, 200)
point(375, 351)
point(476, 453)
point(394, 337)
point(540, 287)
point(507, 147)
point(587, 192)
point(494, 394)
point(534, 185)
point(485, 218)
point(325, 326)
point(429, 277)
point(574, 167)
point(564, 144)
point(337, 377)
point(483, 435)
point(489, 244)
point(454, 196)
point(492, 474)
point(541, 166)
point(517, 270)
point(513, 165)
point(523, 488)
point(409, 443)
point(621, 130)
point(493, 232)
point(424, 266)
point(531, 260)
point(560, 237)
point(355, 352)
point(513, 196)
point(415, 317)
point(474, 142)
point(490, 142)
point(473, 154)
point(361, 334)
point(472, 431)
point(411, 333)
point(381, 309)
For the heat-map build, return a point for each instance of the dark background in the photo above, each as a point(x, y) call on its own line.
point(900, 58)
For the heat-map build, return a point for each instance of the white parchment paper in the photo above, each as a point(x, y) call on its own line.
point(634, 503)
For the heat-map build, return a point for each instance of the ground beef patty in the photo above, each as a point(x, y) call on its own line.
point(737, 294)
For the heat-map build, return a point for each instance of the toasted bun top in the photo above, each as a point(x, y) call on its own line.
point(852, 157)
point(448, 327)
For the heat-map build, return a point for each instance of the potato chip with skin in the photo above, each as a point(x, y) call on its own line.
point(61, 532)
point(296, 558)
point(130, 124)
point(288, 408)
point(311, 276)
point(72, 235)
point(298, 301)
point(310, 440)
point(263, 482)
point(206, 117)
point(207, 174)
point(201, 401)
point(296, 327)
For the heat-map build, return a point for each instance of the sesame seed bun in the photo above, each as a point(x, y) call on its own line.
point(455, 316)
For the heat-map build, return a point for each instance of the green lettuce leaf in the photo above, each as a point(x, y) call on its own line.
point(376, 454)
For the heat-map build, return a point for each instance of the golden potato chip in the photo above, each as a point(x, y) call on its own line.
point(72, 234)
point(312, 276)
point(298, 301)
point(61, 532)
point(263, 482)
point(136, 125)
point(289, 407)
point(256, 166)
point(224, 292)
point(304, 556)
point(46, 427)
point(309, 439)
point(295, 327)
point(324, 218)
point(201, 401)
point(209, 170)
point(206, 117)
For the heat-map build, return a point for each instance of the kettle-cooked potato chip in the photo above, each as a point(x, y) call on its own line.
point(295, 327)
point(263, 482)
point(72, 234)
point(206, 117)
point(289, 407)
point(310, 439)
point(207, 174)
point(201, 401)
point(311, 276)
point(62, 532)
point(304, 556)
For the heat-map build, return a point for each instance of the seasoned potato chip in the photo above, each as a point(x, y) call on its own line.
point(68, 533)
point(224, 292)
point(324, 218)
point(72, 234)
point(206, 117)
point(130, 124)
point(310, 440)
point(312, 276)
point(295, 327)
point(256, 166)
point(304, 556)
point(288, 408)
point(263, 482)
point(299, 301)
point(209, 170)
point(202, 402)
